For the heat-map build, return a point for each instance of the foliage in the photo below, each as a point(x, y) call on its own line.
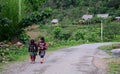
point(36, 17)
point(62, 44)
point(24, 37)
point(74, 9)
point(79, 34)
point(57, 32)
point(113, 3)
point(96, 20)
point(11, 53)
point(9, 20)
point(113, 64)
point(34, 5)
point(63, 3)
point(60, 34)
point(108, 47)
point(114, 67)
point(111, 30)
point(65, 36)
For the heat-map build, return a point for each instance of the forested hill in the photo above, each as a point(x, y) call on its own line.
point(88, 6)
point(43, 11)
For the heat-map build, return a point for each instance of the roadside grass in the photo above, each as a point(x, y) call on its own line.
point(1, 70)
point(113, 63)
point(109, 47)
point(23, 57)
point(14, 54)
point(114, 66)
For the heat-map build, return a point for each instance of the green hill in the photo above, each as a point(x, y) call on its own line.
point(76, 8)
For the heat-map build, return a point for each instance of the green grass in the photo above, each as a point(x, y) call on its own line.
point(23, 57)
point(114, 68)
point(114, 65)
point(108, 47)
point(64, 44)
point(58, 47)
point(1, 70)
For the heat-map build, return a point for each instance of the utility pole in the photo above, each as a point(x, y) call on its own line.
point(101, 30)
point(19, 11)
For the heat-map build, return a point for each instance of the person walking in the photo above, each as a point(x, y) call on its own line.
point(42, 47)
point(33, 49)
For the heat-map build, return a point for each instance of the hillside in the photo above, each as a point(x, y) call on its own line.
point(74, 9)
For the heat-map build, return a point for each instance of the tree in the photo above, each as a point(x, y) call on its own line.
point(114, 3)
point(34, 5)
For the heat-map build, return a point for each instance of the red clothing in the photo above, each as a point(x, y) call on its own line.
point(42, 46)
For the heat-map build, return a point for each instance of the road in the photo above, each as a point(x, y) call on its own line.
point(82, 59)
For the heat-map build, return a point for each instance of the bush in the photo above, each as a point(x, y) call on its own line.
point(79, 35)
point(111, 30)
point(60, 35)
point(96, 20)
point(57, 32)
point(11, 54)
point(65, 35)
point(36, 17)
point(24, 37)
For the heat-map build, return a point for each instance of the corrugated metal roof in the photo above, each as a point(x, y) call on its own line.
point(86, 17)
point(117, 18)
point(103, 15)
point(54, 21)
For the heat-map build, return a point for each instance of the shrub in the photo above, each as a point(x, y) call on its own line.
point(111, 30)
point(57, 32)
point(60, 35)
point(65, 36)
point(36, 17)
point(79, 35)
point(24, 37)
point(12, 53)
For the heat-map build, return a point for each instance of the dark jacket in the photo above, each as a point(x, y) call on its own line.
point(33, 48)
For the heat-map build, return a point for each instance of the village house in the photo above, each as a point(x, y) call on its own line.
point(87, 17)
point(54, 21)
point(103, 15)
point(117, 18)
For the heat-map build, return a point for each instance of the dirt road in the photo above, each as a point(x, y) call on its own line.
point(82, 59)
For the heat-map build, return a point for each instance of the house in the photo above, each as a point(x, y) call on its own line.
point(103, 15)
point(117, 18)
point(86, 17)
point(54, 21)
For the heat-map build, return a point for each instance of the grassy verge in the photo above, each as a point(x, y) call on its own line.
point(114, 67)
point(23, 57)
point(108, 47)
point(63, 44)
point(113, 63)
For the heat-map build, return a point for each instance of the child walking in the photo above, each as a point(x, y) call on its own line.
point(33, 51)
point(42, 48)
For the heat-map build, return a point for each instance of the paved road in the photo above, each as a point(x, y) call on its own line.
point(82, 59)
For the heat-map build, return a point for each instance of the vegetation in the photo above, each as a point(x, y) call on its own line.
point(71, 30)
point(12, 13)
point(114, 67)
point(11, 53)
point(113, 62)
point(109, 47)
point(75, 9)
point(35, 11)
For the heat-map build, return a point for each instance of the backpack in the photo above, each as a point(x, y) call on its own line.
point(32, 48)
